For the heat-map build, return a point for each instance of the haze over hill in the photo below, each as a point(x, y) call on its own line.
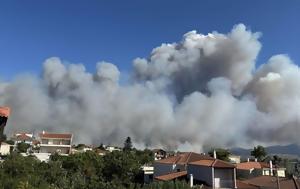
point(204, 90)
point(287, 150)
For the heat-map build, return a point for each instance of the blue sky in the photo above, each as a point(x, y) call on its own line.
point(119, 31)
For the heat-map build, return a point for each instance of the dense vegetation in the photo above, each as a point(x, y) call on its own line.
point(119, 169)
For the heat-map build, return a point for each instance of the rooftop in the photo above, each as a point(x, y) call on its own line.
point(213, 163)
point(171, 176)
point(252, 165)
point(55, 135)
point(4, 111)
point(271, 182)
point(184, 158)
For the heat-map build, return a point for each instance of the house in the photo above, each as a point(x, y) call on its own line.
point(148, 173)
point(234, 159)
point(159, 154)
point(4, 149)
point(253, 168)
point(213, 172)
point(198, 168)
point(23, 137)
point(55, 142)
point(100, 152)
point(176, 163)
point(112, 148)
point(271, 182)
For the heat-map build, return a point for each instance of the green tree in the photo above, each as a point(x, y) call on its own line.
point(127, 144)
point(259, 152)
point(22, 147)
point(222, 154)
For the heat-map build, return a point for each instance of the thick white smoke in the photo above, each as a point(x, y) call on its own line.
point(203, 90)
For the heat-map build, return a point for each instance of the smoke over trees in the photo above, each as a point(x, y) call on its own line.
point(203, 90)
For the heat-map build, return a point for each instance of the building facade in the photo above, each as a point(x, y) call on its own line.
point(55, 143)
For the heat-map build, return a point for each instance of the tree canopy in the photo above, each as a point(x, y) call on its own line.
point(222, 154)
point(259, 152)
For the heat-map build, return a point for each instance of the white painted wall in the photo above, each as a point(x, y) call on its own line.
point(4, 149)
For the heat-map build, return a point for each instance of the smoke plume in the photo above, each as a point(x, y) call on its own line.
point(202, 91)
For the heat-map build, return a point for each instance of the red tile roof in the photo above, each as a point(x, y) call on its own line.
point(213, 163)
point(171, 176)
point(4, 111)
point(184, 158)
point(271, 182)
point(242, 185)
point(23, 137)
point(252, 165)
point(55, 135)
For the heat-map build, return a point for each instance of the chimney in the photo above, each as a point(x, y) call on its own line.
point(215, 154)
point(271, 168)
point(43, 132)
point(248, 159)
point(191, 181)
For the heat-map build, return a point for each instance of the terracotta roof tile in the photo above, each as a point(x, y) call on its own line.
point(243, 185)
point(23, 137)
point(184, 158)
point(4, 111)
point(271, 182)
point(171, 176)
point(55, 135)
point(252, 165)
point(213, 163)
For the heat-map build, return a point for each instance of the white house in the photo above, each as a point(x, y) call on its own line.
point(4, 149)
point(234, 158)
point(112, 148)
point(55, 143)
point(252, 169)
point(22, 137)
point(159, 154)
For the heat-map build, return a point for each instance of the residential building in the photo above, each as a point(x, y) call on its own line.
point(234, 159)
point(148, 173)
point(112, 148)
point(213, 172)
point(55, 142)
point(159, 154)
point(253, 169)
point(4, 149)
point(199, 168)
point(22, 137)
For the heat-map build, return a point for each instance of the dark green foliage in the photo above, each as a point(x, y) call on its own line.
point(22, 147)
point(127, 144)
point(11, 142)
point(222, 154)
point(259, 152)
point(87, 170)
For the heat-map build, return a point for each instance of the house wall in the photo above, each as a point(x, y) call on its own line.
point(162, 169)
point(281, 172)
point(201, 173)
point(165, 168)
point(4, 149)
point(226, 177)
point(53, 149)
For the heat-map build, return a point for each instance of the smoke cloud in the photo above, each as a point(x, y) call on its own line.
point(202, 91)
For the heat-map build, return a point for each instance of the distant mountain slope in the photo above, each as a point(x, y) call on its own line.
point(291, 149)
